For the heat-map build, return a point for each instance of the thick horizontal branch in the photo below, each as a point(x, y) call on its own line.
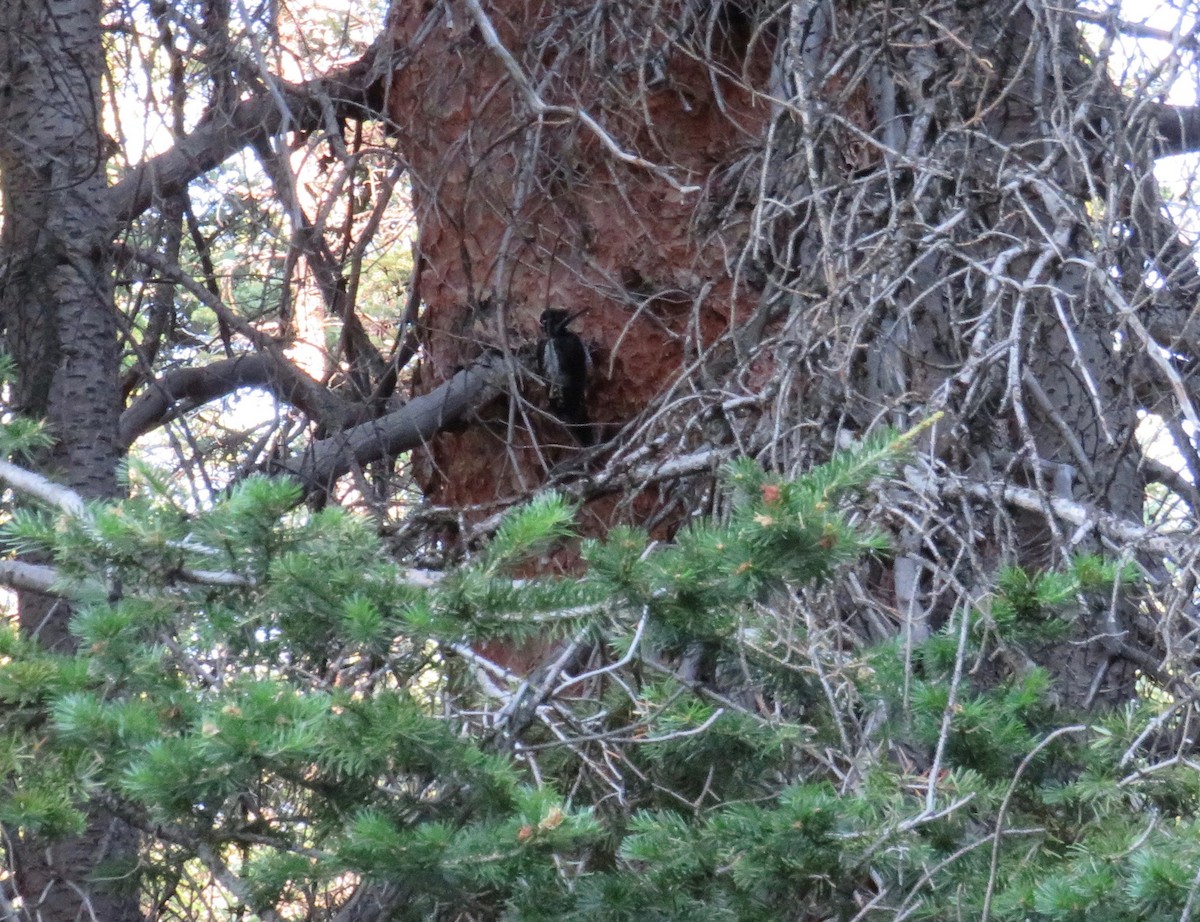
point(1178, 126)
point(294, 386)
point(356, 91)
point(350, 91)
point(1133, 29)
point(42, 489)
point(408, 427)
point(186, 389)
point(36, 577)
point(1178, 130)
point(30, 577)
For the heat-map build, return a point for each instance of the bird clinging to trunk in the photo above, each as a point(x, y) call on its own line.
point(563, 363)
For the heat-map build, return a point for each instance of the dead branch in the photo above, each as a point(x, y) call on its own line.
point(30, 577)
point(402, 430)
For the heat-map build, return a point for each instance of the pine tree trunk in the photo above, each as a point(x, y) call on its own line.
point(56, 303)
point(945, 260)
point(60, 329)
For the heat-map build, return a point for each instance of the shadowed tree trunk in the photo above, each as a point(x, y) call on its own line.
point(60, 329)
point(926, 233)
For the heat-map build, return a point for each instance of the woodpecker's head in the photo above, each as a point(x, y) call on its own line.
point(555, 322)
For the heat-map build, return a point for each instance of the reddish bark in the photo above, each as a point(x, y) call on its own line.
point(516, 216)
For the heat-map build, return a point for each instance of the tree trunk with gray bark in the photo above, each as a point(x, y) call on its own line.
point(60, 330)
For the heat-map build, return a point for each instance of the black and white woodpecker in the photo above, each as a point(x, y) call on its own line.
point(563, 363)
